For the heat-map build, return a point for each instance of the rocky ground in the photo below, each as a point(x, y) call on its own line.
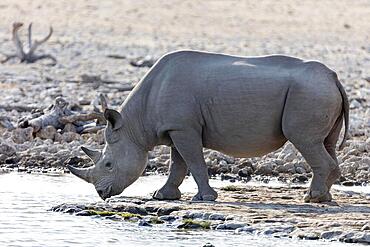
point(275, 212)
point(101, 48)
point(104, 47)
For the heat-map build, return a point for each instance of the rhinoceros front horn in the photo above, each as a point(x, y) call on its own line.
point(93, 154)
point(83, 173)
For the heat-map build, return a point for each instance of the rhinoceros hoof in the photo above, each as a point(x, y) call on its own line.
point(317, 196)
point(211, 196)
point(167, 194)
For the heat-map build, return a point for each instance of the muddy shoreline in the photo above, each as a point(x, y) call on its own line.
point(271, 211)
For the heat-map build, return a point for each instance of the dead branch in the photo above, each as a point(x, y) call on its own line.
point(93, 129)
point(82, 117)
point(50, 117)
point(29, 56)
point(59, 115)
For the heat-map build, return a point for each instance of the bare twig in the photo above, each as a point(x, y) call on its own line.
point(82, 117)
point(93, 129)
point(17, 42)
point(29, 56)
point(30, 36)
point(37, 43)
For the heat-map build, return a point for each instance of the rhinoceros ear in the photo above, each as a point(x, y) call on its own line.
point(114, 119)
point(93, 154)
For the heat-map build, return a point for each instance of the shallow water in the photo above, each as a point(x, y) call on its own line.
point(26, 221)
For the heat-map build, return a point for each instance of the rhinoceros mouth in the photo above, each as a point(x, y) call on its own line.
point(105, 194)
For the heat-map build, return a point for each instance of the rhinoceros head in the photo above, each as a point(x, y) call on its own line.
point(119, 164)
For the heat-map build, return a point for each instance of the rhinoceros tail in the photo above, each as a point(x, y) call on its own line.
point(345, 110)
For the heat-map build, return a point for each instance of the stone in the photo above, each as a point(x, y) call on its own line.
point(278, 229)
point(66, 208)
point(229, 217)
point(167, 211)
point(7, 149)
point(69, 127)
point(354, 104)
point(191, 224)
point(300, 170)
point(300, 179)
point(193, 215)
point(3, 157)
point(208, 245)
point(265, 168)
point(330, 234)
point(58, 137)
point(169, 218)
point(366, 227)
point(230, 226)
point(356, 237)
point(206, 215)
point(348, 183)
point(22, 135)
point(245, 172)
point(47, 133)
point(286, 168)
point(217, 217)
point(311, 236)
point(85, 213)
point(70, 136)
point(143, 222)
point(247, 229)
point(114, 217)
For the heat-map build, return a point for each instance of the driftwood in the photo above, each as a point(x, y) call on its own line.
point(82, 117)
point(59, 115)
point(28, 56)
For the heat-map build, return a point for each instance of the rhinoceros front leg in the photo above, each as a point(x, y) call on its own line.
point(178, 171)
point(189, 145)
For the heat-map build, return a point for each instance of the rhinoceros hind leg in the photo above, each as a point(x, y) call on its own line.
point(322, 165)
point(178, 170)
point(317, 196)
point(330, 144)
point(189, 145)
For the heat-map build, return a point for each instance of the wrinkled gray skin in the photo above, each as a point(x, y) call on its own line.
point(241, 106)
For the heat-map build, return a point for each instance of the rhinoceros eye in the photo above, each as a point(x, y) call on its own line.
point(108, 165)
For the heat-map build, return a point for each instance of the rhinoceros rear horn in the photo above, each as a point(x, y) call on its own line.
point(83, 173)
point(114, 118)
point(93, 154)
